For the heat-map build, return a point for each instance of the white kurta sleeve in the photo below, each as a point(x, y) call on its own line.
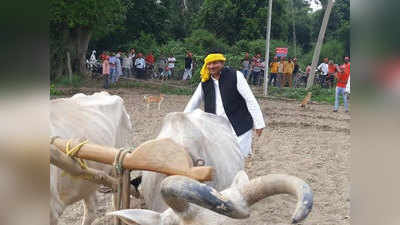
point(251, 102)
point(195, 101)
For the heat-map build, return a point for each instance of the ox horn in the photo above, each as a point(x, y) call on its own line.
point(178, 192)
point(273, 184)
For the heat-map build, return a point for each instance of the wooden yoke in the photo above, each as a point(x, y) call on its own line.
point(162, 155)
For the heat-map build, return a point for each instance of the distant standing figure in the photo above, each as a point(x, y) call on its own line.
point(274, 65)
point(188, 66)
point(113, 67)
point(106, 71)
point(140, 66)
point(342, 77)
point(132, 57)
point(126, 65)
point(331, 74)
point(118, 66)
point(323, 67)
point(256, 68)
point(288, 68)
point(280, 70)
point(171, 64)
point(308, 71)
point(347, 68)
point(150, 60)
point(246, 65)
point(296, 68)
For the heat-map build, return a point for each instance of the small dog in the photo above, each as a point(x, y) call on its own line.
point(306, 100)
point(148, 99)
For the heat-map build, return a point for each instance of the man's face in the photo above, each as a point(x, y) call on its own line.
point(215, 67)
point(326, 60)
point(346, 60)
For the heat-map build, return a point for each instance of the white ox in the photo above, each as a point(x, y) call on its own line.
point(178, 200)
point(103, 120)
point(206, 137)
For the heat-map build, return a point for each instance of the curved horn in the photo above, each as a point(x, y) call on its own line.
point(273, 184)
point(178, 191)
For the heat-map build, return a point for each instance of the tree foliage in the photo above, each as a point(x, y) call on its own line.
point(199, 26)
point(73, 23)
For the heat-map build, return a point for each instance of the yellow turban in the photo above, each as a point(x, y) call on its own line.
point(204, 73)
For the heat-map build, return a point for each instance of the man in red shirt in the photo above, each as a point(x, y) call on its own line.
point(342, 76)
point(331, 74)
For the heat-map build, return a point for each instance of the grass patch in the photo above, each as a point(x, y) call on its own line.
point(63, 81)
point(165, 89)
point(131, 84)
point(54, 91)
point(325, 95)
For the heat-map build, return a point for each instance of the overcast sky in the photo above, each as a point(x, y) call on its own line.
point(315, 6)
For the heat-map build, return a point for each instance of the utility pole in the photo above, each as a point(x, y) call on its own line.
point(267, 49)
point(317, 49)
point(294, 28)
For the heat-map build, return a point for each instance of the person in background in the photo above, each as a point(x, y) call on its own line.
point(106, 71)
point(93, 57)
point(188, 66)
point(274, 65)
point(296, 69)
point(126, 65)
point(150, 60)
point(140, 66)
point(342, 77)
point(331, 74)
point(308, 71)
point(256, 68)
point(103, 56)
point(166, 74)
point(160, 64)
point(132, 57)
point(323, 68)
point(118, 66)
point(347, 68)
point(347, 64)
point(113, 67)
point(288, 67)
point(171, 64)
point(245, 65)
point(281, 66)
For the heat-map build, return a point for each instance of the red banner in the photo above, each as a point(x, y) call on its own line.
point(281, 51)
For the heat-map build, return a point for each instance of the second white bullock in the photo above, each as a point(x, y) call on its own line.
point(102, 119)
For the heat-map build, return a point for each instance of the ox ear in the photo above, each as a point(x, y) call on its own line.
point(138, 216)
point(240, 179)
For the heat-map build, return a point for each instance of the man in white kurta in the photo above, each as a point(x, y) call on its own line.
point(243, 88)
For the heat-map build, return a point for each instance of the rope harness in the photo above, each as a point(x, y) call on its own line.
point(118, 171)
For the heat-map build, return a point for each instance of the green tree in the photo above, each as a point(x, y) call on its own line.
point(73, 23)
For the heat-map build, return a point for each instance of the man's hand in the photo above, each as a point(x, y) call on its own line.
point(259, 132)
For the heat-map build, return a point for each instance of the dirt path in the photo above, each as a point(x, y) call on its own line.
point(311, 143)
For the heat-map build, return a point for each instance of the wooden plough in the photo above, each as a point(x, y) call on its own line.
point(162, 155)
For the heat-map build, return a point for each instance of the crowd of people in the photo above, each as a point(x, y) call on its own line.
point(284, 71)
point(281, 72)
point(114, 65)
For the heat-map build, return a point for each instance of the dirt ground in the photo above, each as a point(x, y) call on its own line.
point(311, 143)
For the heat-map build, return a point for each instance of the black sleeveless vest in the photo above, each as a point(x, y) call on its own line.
point(234, 104)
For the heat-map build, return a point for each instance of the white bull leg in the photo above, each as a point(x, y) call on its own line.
point(89, 214)
point(56, 210)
